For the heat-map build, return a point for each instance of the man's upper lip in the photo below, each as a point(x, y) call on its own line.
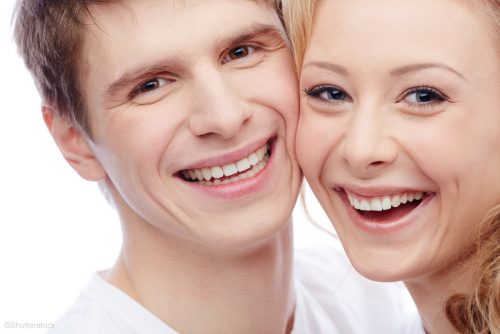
point(229, 157)
point(373, 191)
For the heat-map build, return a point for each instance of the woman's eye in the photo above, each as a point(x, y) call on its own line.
point(238, 52)
point(424, 95)
point(328, 94)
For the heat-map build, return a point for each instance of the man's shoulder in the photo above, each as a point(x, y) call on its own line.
point(102, 308)
point(88, 315)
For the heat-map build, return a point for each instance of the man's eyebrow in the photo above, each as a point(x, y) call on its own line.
point(327, 66)
point(422, 66)
point(253, 31)
point(143, 72)
point(138, 74)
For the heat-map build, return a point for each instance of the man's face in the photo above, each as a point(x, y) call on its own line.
point(193, 109)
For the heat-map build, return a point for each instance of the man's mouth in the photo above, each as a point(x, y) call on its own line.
point(232, 172)
point(385, 208)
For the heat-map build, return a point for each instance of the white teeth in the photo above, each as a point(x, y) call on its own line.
point(396, 201)
point(207, 173)
point(356, 203)
point(253, 158)
point(243, 164)
point(376, 204)
point(364, 205)
point(247, 167)
point(230, 169)
point(217, 172)
point(386, 203)
point(404, 199)
point(260, 153)
point(382, 203)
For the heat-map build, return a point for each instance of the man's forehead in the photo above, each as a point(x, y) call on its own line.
point(121, 54)
point(97, 12)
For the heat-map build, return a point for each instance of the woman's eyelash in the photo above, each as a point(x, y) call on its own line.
point(423, 95)
point(328, 94)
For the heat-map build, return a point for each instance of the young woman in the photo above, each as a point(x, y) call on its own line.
point(399, 137)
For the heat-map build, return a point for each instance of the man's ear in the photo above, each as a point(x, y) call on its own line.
point(73, 145)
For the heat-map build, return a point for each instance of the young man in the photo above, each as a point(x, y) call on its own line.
point(186, 112)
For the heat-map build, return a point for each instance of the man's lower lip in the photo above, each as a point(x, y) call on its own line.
point(239, 188)
point(384, 227)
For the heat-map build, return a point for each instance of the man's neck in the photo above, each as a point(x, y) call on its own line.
point(195, 290)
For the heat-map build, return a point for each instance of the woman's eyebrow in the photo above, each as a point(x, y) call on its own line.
point(395, 72)
point(422, 66)
point(327, 66)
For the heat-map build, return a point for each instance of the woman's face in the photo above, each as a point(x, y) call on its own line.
point(399, 133)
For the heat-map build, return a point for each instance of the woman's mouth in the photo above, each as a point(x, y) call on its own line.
point(384, 213)
point(242, 169)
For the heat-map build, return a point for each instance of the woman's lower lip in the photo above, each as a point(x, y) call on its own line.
point(240, 188)
point(385, 227)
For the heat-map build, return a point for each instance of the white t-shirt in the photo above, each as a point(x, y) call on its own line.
point(331, 297)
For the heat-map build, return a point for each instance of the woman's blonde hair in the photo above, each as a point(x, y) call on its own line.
point(298, 18)
point(478, 313)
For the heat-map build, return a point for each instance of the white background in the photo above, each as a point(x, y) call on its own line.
point(55, 228)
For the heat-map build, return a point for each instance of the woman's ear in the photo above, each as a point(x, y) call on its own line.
point(73, 145)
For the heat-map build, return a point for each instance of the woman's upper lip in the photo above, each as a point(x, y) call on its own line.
point(382, 190)
point(229, 157)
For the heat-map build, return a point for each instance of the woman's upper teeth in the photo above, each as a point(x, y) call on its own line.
point(381, 203)
point(218, 172)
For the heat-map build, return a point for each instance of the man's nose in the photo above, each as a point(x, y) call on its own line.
point(217, 108)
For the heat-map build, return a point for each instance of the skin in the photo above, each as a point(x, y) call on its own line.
point(161, 102)
point(406, 110)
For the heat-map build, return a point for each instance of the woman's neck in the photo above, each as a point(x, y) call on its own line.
point(194, 290)
point(432, 292)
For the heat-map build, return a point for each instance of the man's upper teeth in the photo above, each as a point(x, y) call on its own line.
point(381, 203)
point(218, 172)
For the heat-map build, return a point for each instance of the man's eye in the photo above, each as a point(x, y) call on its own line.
point(238, 52)
point(150, 85)
point(328, 94)
point(424, 95)
point(152, 90)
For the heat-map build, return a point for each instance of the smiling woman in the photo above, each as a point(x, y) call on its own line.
point(399, 137)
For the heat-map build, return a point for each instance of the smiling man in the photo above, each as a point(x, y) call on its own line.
point(186, 112)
